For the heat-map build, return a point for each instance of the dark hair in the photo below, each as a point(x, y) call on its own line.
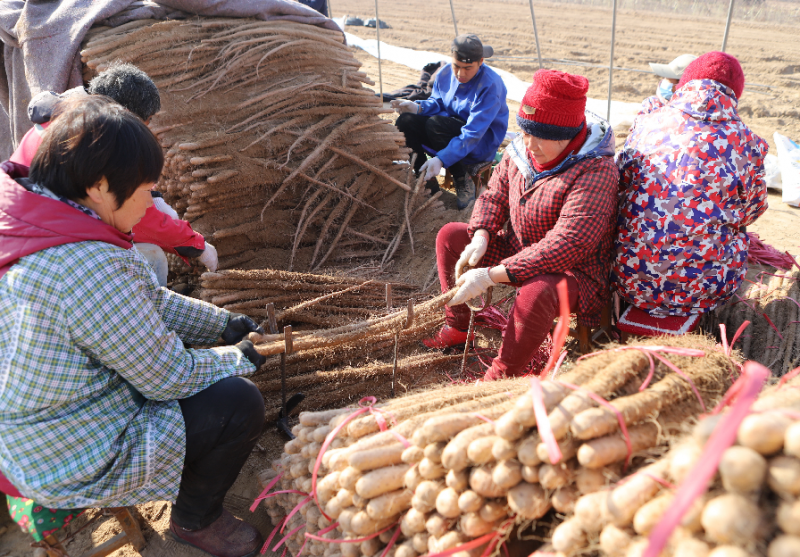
point(91, 138)
point(130, 87)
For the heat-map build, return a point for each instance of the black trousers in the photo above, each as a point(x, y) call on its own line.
point(223, 423)
point(434, 132)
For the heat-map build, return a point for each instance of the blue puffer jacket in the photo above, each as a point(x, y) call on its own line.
point(481, 102)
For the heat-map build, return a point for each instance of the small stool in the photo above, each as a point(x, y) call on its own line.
point(637, 322)
point(24, 511)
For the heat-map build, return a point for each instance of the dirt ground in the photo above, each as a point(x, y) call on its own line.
point(769, 53)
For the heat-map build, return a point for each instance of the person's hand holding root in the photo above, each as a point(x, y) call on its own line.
point(474, 251)
point(401, 106)
point(238, 327)
point(471, 284)
point(249, 351)
point(431, 168)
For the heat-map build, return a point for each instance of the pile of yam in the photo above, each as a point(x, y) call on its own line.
point(302, 299)
point(275, 150)
point(770, 300)
point(750, 508)
point(459, 462)
point(336, 366)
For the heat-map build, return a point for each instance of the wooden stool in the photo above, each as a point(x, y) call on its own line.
point(482, 173)
point(131, 534)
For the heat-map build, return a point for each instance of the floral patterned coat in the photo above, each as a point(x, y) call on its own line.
point(692, 175)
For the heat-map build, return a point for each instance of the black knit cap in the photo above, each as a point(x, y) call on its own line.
point(469, 49)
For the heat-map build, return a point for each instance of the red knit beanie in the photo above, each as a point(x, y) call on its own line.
point(554, 105)
point(718, 66)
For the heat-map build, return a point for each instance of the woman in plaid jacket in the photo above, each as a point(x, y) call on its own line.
point(100, 402)
point(547, 216)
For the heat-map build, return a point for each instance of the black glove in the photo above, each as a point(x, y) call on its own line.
point(250, 353)
point(238, 327)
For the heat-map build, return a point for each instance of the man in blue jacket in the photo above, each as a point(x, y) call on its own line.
point(464, 120)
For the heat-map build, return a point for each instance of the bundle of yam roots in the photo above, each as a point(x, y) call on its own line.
point(750, 508)
point(302, 299)
point(274, 149)
point(345, 337)
point(460, 467)
point(770, 299)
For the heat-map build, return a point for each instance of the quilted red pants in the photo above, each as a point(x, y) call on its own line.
point(532, 315)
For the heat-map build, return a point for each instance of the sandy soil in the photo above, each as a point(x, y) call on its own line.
point(769, 53)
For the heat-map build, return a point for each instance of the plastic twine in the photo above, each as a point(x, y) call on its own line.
point(366, 405)
point(477, 542)
point(789, 376)
point(287, 536)
point(296, 508)
point(272, 535)
point(391, 542)
point(562, 327)
point(263, 494)
point(543, 422)
point(749, 384)
point(355, 540)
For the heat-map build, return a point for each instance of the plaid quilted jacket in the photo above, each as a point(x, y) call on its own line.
point(556, 221)
point(91, 370)
point(692, 174)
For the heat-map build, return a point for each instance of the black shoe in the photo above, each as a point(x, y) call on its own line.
point(433, 185)
point(465, 191)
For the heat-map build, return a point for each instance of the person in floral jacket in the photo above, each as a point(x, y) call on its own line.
point(692, 177)
point(548, 215)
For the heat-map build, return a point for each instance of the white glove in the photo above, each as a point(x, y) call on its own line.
point(164, 207)
point(432, 167)
point(405, 106)
point(473, 283)
point(209, 257)
point(473, 253)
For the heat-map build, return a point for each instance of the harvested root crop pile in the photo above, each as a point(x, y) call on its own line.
point(750, 508)
point(461, 463)
point(770, 300)
point(334, 366)
point(274, 149)
point(300, 298)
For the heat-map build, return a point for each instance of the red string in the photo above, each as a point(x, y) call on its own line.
point(543, 422)
point(391, 542)
point(296, 508)
point(482, 417)
point(369, 401)
point(562, 328)
point(357, 540)
point(263, 495)
point(287, 536)
point(789, 376)
point(272, 535)
point(749, 384)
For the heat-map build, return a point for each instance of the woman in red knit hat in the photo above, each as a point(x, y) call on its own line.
point(692, 177)
point(547, 216)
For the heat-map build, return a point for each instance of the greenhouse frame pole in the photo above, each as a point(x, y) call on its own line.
point(611, 62)
point(453, 13)
point(378, 35)
point(535, 34)
point(727, 26)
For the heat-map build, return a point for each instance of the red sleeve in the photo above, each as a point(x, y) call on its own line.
point(167, 233)
point(27, 147)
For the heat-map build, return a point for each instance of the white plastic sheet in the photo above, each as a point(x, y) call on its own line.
point(789, 162)
point(622, 113)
